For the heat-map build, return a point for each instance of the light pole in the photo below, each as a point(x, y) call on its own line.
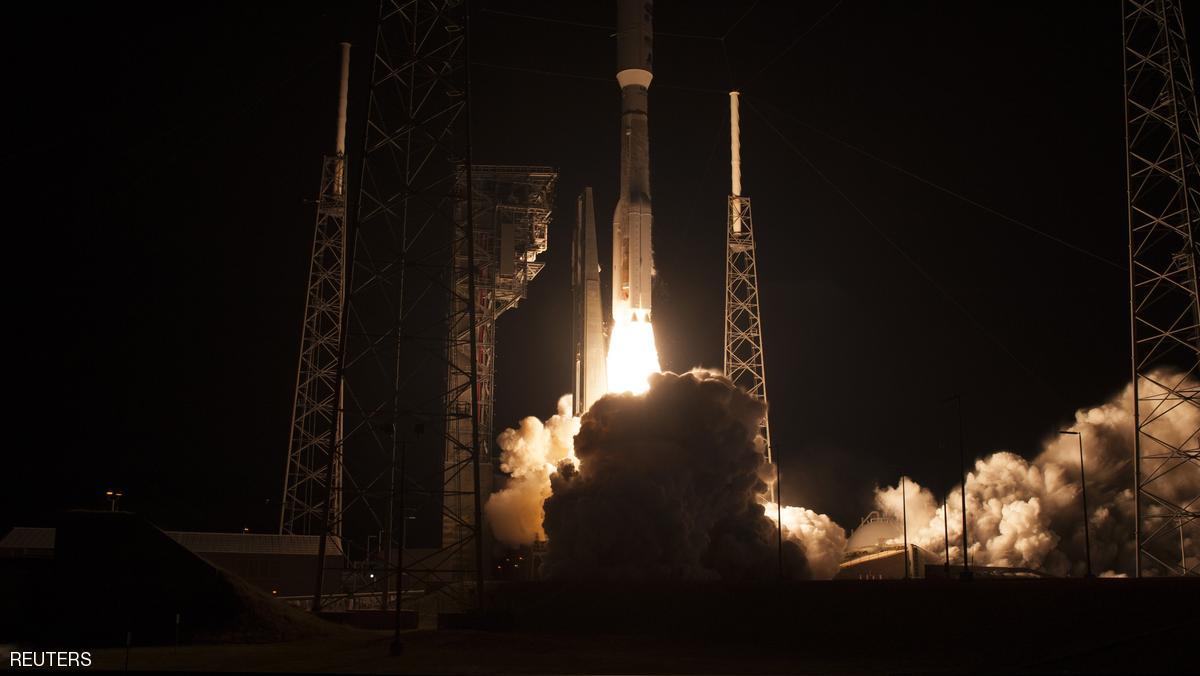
point(946, 528)
point(962, 470)
point(113, 498)
point(397, 646)
point(1087, 541)
point(945, 513)
point(904, 515)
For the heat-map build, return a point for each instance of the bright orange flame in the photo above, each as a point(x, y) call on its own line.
point(632, 356)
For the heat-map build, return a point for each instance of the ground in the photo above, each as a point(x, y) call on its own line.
point(1009, 626)
point(468, 652)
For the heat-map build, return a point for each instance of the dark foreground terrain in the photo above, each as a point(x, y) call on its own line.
point(115, 575)
point(993, 626)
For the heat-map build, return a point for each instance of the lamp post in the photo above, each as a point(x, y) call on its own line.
point(946, 529)
point(397, 646)
point(113, 498)
point(962, 470)
point(904, 515)
point(945, 516)
point(1087, 541)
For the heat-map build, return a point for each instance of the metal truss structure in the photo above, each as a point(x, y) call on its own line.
point(511, 220)
point(441, 248)
point(743, 323)
point(403, 295)
point(1163, 173)
point(316, 423)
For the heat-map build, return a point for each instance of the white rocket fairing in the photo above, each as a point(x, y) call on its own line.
point(590, 371)
point(632, 258)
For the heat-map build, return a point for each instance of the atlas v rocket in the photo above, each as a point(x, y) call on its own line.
point(632, 259)
point(633, 264)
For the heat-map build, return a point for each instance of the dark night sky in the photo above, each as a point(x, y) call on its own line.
point(161, 166)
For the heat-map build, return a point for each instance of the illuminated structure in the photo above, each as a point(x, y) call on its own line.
point(743, 322)
point(1162, 133)
point(511, 220)
point(313, 439)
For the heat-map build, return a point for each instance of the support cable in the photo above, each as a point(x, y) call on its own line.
point(794, 42)
point(906, 256)
point(596, 26)
point(957, 195)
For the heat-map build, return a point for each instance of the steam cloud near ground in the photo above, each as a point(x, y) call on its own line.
point(529, 454)
point(1029, 513)
point(670, 485)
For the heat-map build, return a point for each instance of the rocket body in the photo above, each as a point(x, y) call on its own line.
point(633, 265)
point(591, 379)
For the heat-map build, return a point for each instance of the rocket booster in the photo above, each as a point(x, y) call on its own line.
point(591, 376)
point(632, 257)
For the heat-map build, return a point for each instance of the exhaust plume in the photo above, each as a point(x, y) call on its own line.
point(669, 485)
point(673, 487)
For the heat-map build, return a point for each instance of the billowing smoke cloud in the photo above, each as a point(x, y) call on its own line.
point(823, 541)
point(1029, 513)
point(658, 435)
point(529, 455)
point(670, 486)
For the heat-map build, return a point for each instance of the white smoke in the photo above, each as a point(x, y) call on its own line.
point(529, 455)
point(693, 439)
point(822, 540)
point(1025, 513)
point(1029, 513)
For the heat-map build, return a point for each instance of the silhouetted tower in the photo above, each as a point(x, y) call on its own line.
point(316, 421)
point(743, 323)
point(440, 249)
point(1162, 135)
point(408, 255)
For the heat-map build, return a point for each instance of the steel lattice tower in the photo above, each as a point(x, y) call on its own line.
point(511, 223)
point(404, 296)
point(743, 322)
point(1163, 174)
point(441, 249)
point(315, 420)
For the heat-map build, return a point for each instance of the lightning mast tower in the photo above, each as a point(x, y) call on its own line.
point(1162, 134)
point(316, 422)
point(743, 322)
point(408, 253)
point(441, 247)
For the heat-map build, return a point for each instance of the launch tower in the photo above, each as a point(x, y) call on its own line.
point(313, 443)
point(403, 295)
point(1162, 133)
point(743, 322)
point(511, 220)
